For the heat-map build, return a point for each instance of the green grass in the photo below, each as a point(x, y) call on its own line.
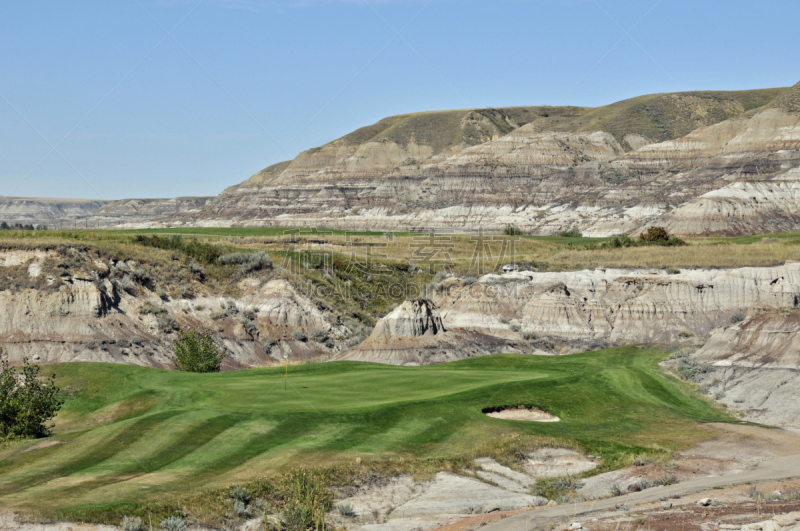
point(133, 434)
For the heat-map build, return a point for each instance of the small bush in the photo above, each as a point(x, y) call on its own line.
point(616, 490)
point(186, 291)
point(250, 327)
point(162, 294)
point(123, 343)
point(512, 230)
point(571, 233)
point(196, 352)
point(666, 479)
point(241, 494)
point(241, 509)
point(131, 523)
point(198, 272)
point(267, 344)
point(247, 262)
point(173, 523)
point(319, 334)
point(515, 328)
point(469, 281)
point(529, 336)
point(127, 285)
point(166, 324)
point(138, 341)
point(346, 509)
point(142, 277)
point(556, 488)
point(218, 316)
point(298, 335)
point(148, 308)
point(737, 317)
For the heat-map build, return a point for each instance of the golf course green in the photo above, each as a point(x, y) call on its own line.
point(128, 434)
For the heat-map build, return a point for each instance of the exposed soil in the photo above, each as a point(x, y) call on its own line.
point(522, 413)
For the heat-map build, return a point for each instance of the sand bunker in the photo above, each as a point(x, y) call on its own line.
point(532, 414)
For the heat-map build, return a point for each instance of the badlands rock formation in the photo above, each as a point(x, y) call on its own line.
point(49, 212)
point(80, 317)
point(699, 163)
point(413, 334)
point(754, 365)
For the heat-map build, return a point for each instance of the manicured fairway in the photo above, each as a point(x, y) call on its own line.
point(131, 434)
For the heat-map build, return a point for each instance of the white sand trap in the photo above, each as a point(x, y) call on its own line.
point(522, 413)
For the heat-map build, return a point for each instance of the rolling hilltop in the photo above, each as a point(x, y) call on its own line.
point(696, 162)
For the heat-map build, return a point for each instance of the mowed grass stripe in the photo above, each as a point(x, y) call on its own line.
point(187, 431)
point(91, 456)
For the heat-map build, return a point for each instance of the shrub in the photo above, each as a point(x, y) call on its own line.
point(142, 277)
point(298, 335)
point(198, 271)
point(241, 494)
point(319, 334)
point(166, 324)
point(196, 352)
point(127, 285)
point(138, 341)
point(267, 344)
point(530, 336)
point(186, 291)
point(131, 523)
point(737, 317)
point(512, 230)
point(241, 509)
point(247, 262)
point(148, 308)
point(123, 343)
point(469, 281)
point(666, 479)
point(346, 509)
point(173, 523)
point(556, 488)
point(655, 234)
point(616, 490)
point(217, 316)
point(162, 295)
point(515, 328)
point(27, 401)
point(571, 233)
point(250, 327)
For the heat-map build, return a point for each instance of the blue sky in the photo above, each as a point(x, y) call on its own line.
point(160, 98)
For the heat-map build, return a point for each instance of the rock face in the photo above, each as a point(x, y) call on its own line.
point(582, 310)
point(754, 366)
point(140, 212)
point(48, 212)
point(82, 318)
point(413, 334)
point(695, 162)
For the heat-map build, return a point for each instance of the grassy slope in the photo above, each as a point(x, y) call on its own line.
point(658, 117)
point(133, 434)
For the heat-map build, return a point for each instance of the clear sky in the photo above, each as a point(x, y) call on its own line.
point(159, 98)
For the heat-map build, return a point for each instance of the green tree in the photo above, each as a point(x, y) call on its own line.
point(27, 401)
point(196, 352)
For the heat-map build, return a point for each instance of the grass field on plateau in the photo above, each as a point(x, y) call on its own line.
point(130, 434)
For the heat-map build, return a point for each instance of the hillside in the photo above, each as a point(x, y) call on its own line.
point(699, 162)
